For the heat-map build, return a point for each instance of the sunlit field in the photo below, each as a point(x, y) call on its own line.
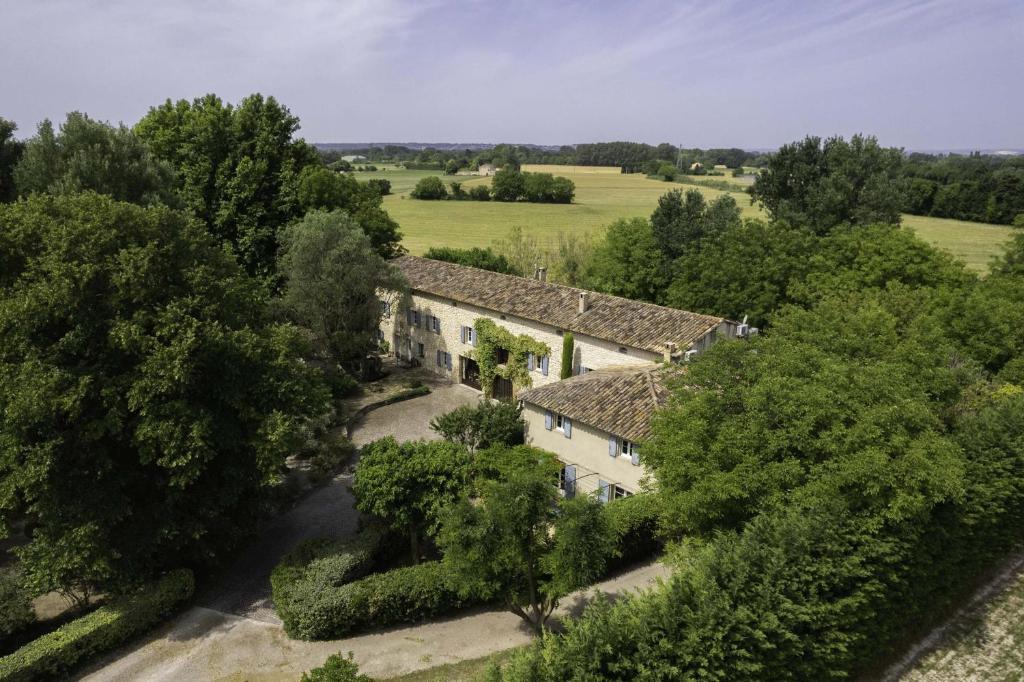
point(603, 195)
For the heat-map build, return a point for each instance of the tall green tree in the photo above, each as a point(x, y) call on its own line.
point(238, 168)
point(517, 542)
point(334, 283)
point(148, 401)
point(681, 222)
point(10, 153)
point(820, 185)
point(408, 485)
point(628, 262)
point(92, 155)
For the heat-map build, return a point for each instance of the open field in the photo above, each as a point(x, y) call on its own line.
point(974, 243)
point(604, 195)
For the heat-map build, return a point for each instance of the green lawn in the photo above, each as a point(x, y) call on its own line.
point(602, 196)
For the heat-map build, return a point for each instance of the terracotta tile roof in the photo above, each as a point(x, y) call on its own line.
point(620, 320)
point(619, 400)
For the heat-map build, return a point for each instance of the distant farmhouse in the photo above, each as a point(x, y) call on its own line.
point(353, 157)
point(486, 169)
point(595, 420)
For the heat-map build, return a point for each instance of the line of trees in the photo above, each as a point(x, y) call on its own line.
point(507, 184)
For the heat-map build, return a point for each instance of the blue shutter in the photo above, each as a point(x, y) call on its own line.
point(549, 420)
point(408, 316)
point(613, 446)
point(567, 427)
point(437, 325)
point(448, 361)
point(602, 491)
point(570, 481)
point(472, 336)
point(529, 361)
point(544, 365)
point(462, 334)
point(438, 358)
point(635, 456)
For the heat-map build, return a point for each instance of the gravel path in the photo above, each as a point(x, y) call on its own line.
point(240, 601)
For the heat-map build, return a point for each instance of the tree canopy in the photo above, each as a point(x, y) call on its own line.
point(91, 155)
point(10, 153)
point(334, 283)
point(148, 401)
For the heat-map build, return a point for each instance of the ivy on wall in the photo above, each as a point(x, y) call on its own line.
point(491, 337)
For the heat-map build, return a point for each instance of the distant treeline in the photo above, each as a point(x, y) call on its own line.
point(632, 157)
point(981, 188)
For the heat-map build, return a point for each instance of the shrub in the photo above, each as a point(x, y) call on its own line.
point(431, 188)
point(568, 349)
point(332, 456)
point(107, 627)
point(457, 192)
point(403, 595)
point(475, 257)
point(634, 521)
point(480, 193)
point(317, 565)
point(15, 604)
point(336, 669)
point(667, 171)
point(482, 426)
point(380, 186)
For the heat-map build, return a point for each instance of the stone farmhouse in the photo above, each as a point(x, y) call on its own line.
point(594, 420)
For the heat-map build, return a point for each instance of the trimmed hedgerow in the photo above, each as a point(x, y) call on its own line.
point(635, 523)
point(105, 628)
point(320, 565)
point(403, 595)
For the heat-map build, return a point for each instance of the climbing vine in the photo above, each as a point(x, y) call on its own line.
point(491, 337)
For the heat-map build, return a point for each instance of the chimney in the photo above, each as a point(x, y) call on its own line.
point(542, 274)
point(670, 349)
point(584, 301)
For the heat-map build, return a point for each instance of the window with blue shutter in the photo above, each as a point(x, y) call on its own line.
point(613, 446)
point(448, 361)
point(437, 325)
point(438, 358)
point(567, 427)
point(602, 491)
point(544, 365)
point(416, 317)
point(529, 361)
point(549, 420)
point(634, 456)
point(472, 336)
point(462, 334)
point(570, 481)
point(408, 317)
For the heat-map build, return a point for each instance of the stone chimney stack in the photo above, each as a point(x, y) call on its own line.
point(670, 349)
point(584, 301)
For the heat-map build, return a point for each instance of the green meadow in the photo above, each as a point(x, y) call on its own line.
point(604, 195)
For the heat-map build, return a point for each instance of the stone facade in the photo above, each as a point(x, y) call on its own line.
point(586, 450)
point(452, 316)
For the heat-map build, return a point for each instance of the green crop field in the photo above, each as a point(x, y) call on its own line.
point(602, 196)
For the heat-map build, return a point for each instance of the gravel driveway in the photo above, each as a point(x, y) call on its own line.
point(326, 512)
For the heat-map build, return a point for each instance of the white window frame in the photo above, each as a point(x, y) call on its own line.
point(626, 447)
point(558, 423)
point(618, 492)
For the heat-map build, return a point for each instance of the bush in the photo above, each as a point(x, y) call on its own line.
point(380, 186)
point(634, 521)
point(332, 457)
point(482, 426)
point(485, 259)
point(404, 595)
point(105, 628)
point(336, 669)
point(480, 193)
point(430, 188)
point(667, 171)
point(317, 565)
point(15, 604)
point(458, 193)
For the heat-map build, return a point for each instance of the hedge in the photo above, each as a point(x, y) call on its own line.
point(403, 595)
point(16, 612)
point(316, 566)
point(107, 627)
point(635, 522)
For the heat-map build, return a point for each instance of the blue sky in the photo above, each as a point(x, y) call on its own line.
point(921, 74)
